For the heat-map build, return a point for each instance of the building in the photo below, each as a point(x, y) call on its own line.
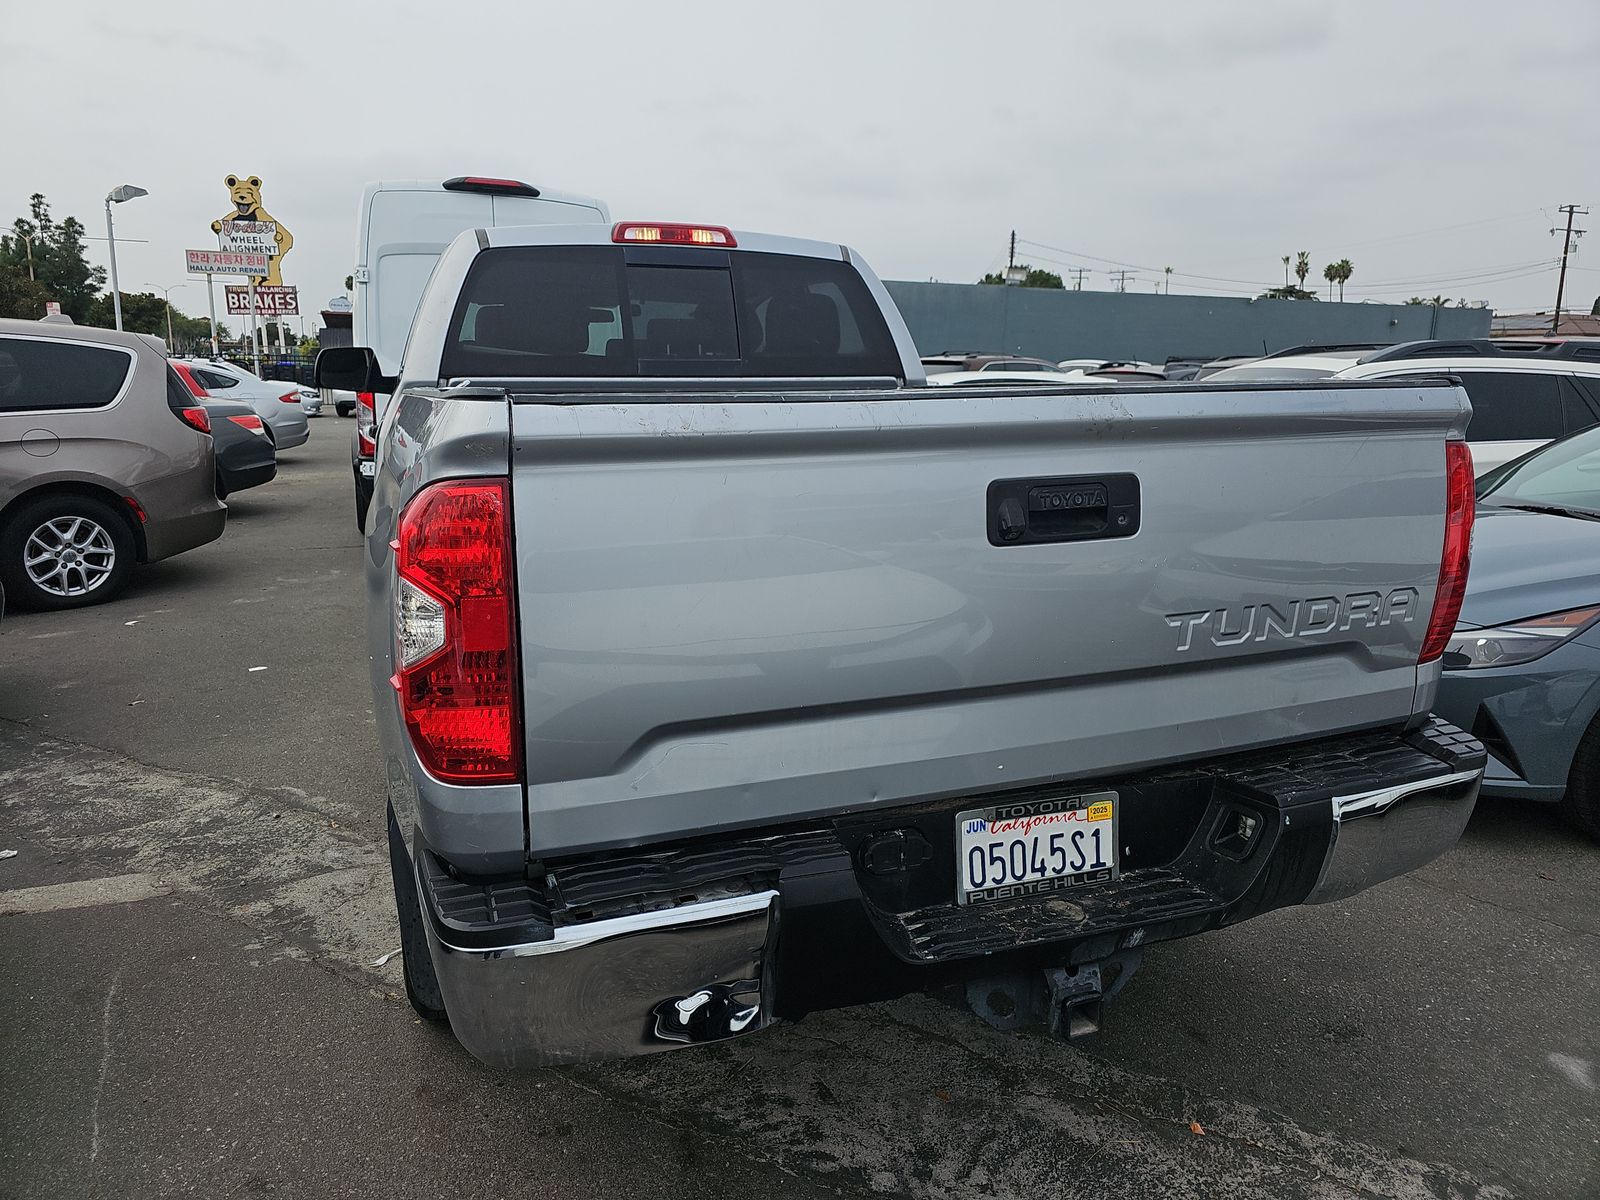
point(1538, 325)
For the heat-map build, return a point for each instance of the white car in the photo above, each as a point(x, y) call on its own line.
point(278, 404)
point(1524, 393)
point(1289, 367)
point(1084, 379)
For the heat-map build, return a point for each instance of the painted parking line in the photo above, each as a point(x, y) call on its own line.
point(83, 893)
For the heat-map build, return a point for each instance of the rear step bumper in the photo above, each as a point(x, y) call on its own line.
point(641, 951)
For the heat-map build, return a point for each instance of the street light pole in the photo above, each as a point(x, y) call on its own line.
point(111, 243)
point(116, 196)
point(28, 241)
point(166, 293)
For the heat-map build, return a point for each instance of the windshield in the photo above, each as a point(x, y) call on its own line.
point(1564, 475)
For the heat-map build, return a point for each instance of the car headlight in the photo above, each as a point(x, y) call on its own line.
point(1517, 642)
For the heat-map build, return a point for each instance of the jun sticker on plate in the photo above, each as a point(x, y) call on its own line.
point(1035, 846)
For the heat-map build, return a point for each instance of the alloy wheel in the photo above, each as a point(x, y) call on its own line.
point(69, 556)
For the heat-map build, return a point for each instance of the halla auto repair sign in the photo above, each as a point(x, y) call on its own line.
point(270, 301)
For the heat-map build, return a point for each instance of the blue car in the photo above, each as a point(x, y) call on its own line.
point(1522, 671)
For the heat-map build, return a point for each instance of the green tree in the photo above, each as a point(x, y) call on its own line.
point(1035, 278)
point(19, 295)
point(1435, 301)
point(1345, 269)
point(1287, 293)
point(1286, 270)
point(1302, 266)
point(146, 312)
point(1331, 274)
point(57, 253)
point(1595, 311)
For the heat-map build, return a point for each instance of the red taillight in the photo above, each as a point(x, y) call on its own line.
point(455, 636)
point(195, 390)
point(366, 418)
point(251, 422)
point(197, 418)
point(1459, 507)
point(655, 233)
point(290, 398)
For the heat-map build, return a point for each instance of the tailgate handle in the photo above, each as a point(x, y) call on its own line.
point(1072, 508)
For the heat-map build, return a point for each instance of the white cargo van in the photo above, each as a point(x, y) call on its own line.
point(404, 227)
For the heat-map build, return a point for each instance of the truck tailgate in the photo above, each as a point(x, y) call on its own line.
point(739, 608)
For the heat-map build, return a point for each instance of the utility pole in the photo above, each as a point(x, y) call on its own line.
point(1080, 272)
point(1011, 258)
point(1566, 248)
point(1122, 279)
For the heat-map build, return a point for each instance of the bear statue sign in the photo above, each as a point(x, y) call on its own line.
point(249, 228)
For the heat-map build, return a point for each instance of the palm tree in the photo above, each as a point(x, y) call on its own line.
point(1331, 274)
point(1285, 270)
point(1168, 271)
point(1302, 267)
point(1346, 269)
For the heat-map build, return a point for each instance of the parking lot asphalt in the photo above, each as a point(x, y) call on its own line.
point(191, 929)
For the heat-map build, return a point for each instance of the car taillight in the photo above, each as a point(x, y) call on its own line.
point(197, 418)
point(366, 418)
point(455, 636)
point(672, 235)
point(290, 398)
point(1458, 514)
point(251, 422)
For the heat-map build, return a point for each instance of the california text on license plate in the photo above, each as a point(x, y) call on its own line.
point(1035, 846)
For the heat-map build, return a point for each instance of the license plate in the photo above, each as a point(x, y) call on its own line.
point(1035, 846)
point(368, 468)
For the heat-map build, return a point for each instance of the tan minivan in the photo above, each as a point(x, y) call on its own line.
point(105, 460)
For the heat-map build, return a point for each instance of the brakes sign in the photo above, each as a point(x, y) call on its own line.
point(270, 301)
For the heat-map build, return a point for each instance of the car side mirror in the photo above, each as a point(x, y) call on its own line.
point(353, 369)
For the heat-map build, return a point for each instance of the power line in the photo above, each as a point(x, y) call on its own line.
point(1254, 290)
point(1530, 264)
point(1133, 266)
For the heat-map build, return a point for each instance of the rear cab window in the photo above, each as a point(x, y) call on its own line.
point(665, 311)
point(51, 374)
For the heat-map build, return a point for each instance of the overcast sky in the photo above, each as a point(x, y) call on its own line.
point(1429, 143)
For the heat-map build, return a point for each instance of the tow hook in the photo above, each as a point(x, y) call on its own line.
point(1068, 1001)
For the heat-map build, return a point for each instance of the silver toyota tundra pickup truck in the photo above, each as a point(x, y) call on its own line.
point(725, 672)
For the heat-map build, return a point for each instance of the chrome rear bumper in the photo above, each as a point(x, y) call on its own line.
point(1379, 835)
point(640, 951)
point(608, 989)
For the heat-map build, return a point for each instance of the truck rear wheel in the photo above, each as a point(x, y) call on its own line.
point(422, 985)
